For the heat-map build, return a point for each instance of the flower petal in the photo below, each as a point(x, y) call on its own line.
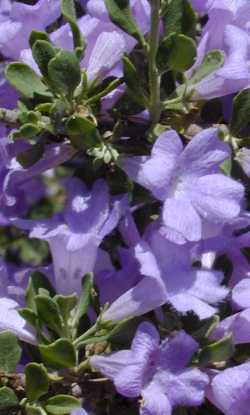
point(155, 402)
point(180, 216)
point(154, 172)
point(217, 197)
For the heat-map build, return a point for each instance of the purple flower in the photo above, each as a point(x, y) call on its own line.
point(8, 95)
point(241, 294)
point(227, 30)
point(189, 182)
point(239, 323)
point(234, 74)
point(11, 320)
point(191, 289)
point(229, 242)
point(108, 50)
point(15, 179)
point(75, 236)
point(111, 283)
point(12, 288)
point(230, 390)
point(17, 20)
point(155, 371)
point(156, 271)
point(158, 260)
point(201, 6)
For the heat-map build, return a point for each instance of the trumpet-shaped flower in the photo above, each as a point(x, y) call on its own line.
point(230, 390)
point(239, 323)
point(189, 183)
point(12, 288)
point(15, 179)
point(74, 236)
point(17, 20)
point(227, 30)
point(155, 371)
point(167, 276)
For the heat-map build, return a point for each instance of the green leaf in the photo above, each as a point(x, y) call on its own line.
point(227, 166)
point(68, 9)
point(36, 381)
point(10, 352)
point(179, 17)
point(85, 299)
point(64, 72)
point(104, 90)
point(29, 315)
point(62, 405)
point(8, 398)
point(60, 354)
point(37, 281)
point(66, 304)
point(211, 62)
point(69, 13)
point(44, 108)
point(58, 113)
point(48, 311)
point(43, 52)
point(82, 133)
point(208, 325)
point(25, 80)
point(133, 82)
point(176, 52)
point(34, 410)
point(36, 35)
point(29, 117)
point(120, 14)
point(104, 335)
point(219, 351)
point(241, 111)
point(31, 156)
point(26, 131)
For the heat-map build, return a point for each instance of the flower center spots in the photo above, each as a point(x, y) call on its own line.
point(79, 204)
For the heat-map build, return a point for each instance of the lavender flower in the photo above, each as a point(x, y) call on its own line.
point(230, 242)
point(201, 6)
point(12, 288)
point(17, 20)
point(230, 390)
point(155, 371)
point(189, 183)
point(239, 323)
point(15, 179)
point(227, 30)
point(12, 321)
point(168, 277)
point(74, 236)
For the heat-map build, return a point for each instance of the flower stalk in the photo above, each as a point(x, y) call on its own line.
point(154, 75)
